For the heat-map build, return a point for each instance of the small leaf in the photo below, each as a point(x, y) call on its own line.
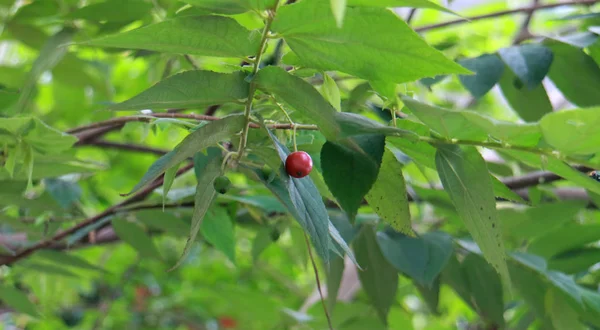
point(563, 238)
point(378, 278)
point(190, 89)
point(350, 173)
point(529, 62)
point(200, 139)
point(195, 35)
point(488, 70)
point(136, 237)
point(169, 222)
point(388, 196)
point(16, 299)
point(383, 47)
point(217, 229)
point(574, 131)
point(205, 194)
point(466, 179)
point(529, 104)
point(338, 8)
point(330, 91)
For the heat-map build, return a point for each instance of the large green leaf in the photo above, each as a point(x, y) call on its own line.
point(190, 89)
point(205, 194)
point(51, 53)
point(573, 131)
point(421, 258)
point(529, 62)
point(575, 74)
point(566, 237)
point(529, 104)
point(217, 229)
point(388, 196)
point(465, 177)
point(575, 261)
point(488, 70)
point(18, 300)
point(136, 237)
point(352, 124)
point(231, 7)
point(378, 278)
point(350, 173)
point(399, 3)
point(105, 11)
point(201, 138)
point(199, 35)
point(301, 96)
point(373, 43)
point(485, 288)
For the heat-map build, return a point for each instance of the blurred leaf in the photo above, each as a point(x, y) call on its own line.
point(563, 316)
point(136, 237)
point(198, 140)
point(529, 62)
point(529, 104)
point(465, 178)
point(335, 271)
point(350, 173)
point(573, 131)
point(190, 89)
point(563, 238)
point(131, 10)
point(199, 35)
point(309, 28)
point(488, 70)
point(431, 294)
point(575, 261)
point(67, 259)
point(330, 90)
point(217, 229)
point(18, 300)
point(230, 7)
point(378, 278)
point(261, 242)
point(64, 192)
point(388, 196)
point(167, 221)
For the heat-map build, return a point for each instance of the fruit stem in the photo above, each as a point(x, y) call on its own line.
point(293, 125)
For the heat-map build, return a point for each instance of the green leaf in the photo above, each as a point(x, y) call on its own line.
point(485, 288)
point(575, 74)
point(205, 194)
point(525, 134)
point(301, 96)
point(231, 7)
point(18, 300)
point(350, 173)
point(421, 258)
point(67, 259)
point(575, 261)
point(378, 278)
point(573, 131)
point(64, 192)
point(334, 280)
point(431, 295)
point(558, 167)
point(466, 179)
point(48, 269)
point(261, 242)
point(203, 137)
point(529, 62)
point(136, 237)
point(167, 221)
point(562, 314)
point(400, 3)
point(388, 196)
point(564, 238)
point(488, 70)
point(198, 35)
point(51, 53)
point(330, 91)
point(529, 104)
point(352, 124)
point(382, 46)
point(168, 182)
point(217, 229)
point(190, 89)
point(338, 8)
point(105, 11)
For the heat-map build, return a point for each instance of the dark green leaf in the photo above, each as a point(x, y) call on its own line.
point(529, 62)
point(205, 194)
point(352, 124)
point(203, 137)
point(217, 229)
point(485, 288)
point(190, 89)
point(136, 237)
point(488, 70)
point(529, 104)
point(421, 258)
point(18, 300)
point(388, 196)
point(198, 35)
point(575, 74)
point(574, 131)
point(431, 294)
point(383, 47)
point(334, 280)
point(378, 278)
point(350, 173)
point(465, 177)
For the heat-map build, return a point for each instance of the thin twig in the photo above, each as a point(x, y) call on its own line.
point(411, 15)
point(314, 265)
point(506, 12)
point(524, 32)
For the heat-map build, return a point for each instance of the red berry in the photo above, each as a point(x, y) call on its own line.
point(227, 322)
point(298, 164)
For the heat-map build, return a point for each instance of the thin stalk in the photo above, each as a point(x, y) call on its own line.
point(314, 265)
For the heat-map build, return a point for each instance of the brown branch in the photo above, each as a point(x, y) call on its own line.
point(139, 196)
point(524, 33)
point(507, 12)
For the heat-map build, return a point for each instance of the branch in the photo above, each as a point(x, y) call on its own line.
point(507, 12)
point(524, 32)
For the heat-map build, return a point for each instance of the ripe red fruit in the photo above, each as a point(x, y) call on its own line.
point(298, 164)
point(227, 322)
